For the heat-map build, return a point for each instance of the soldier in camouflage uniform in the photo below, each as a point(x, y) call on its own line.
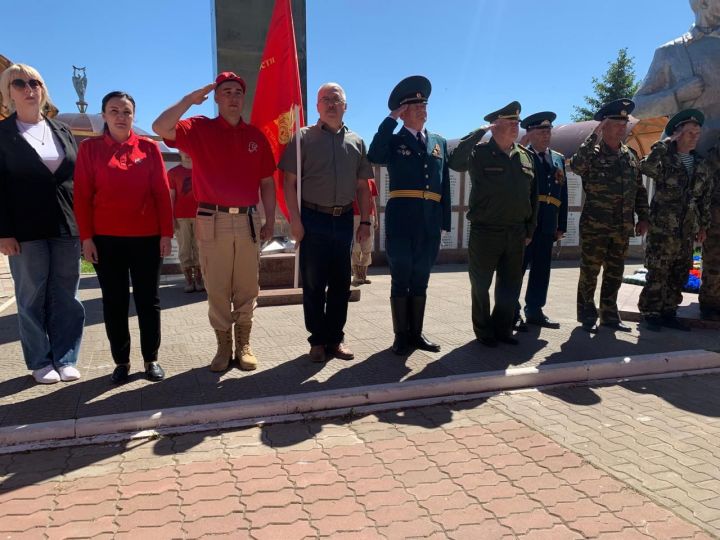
point(614, 192)
point(710, 289)
point(679, 213)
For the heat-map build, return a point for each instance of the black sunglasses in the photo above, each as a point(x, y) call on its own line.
point(20, 84)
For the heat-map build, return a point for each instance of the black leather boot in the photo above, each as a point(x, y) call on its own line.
point(417, 315)
point(399, 308)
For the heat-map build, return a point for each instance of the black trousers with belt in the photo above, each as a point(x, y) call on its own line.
point(136, 258)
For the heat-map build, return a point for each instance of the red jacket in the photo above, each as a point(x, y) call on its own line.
point(121, 189)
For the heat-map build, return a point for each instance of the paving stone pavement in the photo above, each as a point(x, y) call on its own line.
point(475, 470)
point(279, 340)
point(6, 283)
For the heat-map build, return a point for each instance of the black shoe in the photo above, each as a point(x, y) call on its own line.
point(154, 372)
point(675, 323)
point(617, 325)
point(543, 320)
point(507, 339)
point(590, 326)
point(652, 323)
point(121, 373)
point(488, 341)
point(709, 314)
point(424, 344)
point(400, 345)
point(520, 325)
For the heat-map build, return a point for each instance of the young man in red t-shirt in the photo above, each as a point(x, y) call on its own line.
point(233, 167)
point(184, 210)
point(362, 251)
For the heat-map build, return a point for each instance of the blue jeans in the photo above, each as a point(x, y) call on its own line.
point(325, 266)
point(50, 316)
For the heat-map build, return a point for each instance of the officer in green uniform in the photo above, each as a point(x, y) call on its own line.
point(418, 207)
point(502, 214)
point(614, 193)
point(679, 215)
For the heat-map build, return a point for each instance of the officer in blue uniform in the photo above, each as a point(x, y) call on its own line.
point(551, 219)
point(418, 206)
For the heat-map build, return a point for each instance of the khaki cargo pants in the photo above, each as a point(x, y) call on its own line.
point(230, 262)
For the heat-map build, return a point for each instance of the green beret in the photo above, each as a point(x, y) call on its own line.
point(683, 117)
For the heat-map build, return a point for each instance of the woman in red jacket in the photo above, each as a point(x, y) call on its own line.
point(123, 211)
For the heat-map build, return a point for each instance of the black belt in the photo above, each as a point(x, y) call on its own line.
point(227, 209)
point(332, 210)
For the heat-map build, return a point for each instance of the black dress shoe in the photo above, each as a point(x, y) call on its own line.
point(121, 373)
point(617, 325)
point(154, 372)
point(488, 341)
point(591, 327)
point(520, 325)
point(543, 320)
point(507, 339)
point(424, 344)
point(675, 323)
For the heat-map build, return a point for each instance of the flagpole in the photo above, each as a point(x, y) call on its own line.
point(298, 188)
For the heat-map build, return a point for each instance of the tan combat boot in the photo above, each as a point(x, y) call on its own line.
point(224, 351)
point(243, 352)
point(357, 278)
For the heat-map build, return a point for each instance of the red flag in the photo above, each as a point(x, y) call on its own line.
point(278, 89)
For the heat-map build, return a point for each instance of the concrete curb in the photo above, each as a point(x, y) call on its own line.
point(280, 408)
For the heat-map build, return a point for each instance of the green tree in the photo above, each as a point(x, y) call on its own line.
point(618, 82)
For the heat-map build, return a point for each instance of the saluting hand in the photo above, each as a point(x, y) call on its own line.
point(200, 95)
point(397, 112)
point(89, 251)
point(599, 129)
point(9, 246)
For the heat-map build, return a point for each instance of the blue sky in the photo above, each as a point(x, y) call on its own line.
point(479, 54)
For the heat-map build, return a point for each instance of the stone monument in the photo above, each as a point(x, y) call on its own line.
point(686, 73)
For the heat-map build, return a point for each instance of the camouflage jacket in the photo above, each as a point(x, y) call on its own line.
point(713, 163)
point(681, 204)
point(613, 186)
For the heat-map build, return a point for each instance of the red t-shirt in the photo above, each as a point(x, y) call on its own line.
point(373, 194)
point(181, 182)
point(121, 189)
point(228, 162)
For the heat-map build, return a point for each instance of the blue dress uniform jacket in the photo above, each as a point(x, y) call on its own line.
point(413, 220)
point(551, 217)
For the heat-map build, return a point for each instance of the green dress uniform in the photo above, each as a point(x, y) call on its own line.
point(502, 214)
point(614, 192)
point(680, 207)
point(418, 208)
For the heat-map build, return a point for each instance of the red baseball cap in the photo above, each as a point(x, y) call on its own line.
point(227, 76)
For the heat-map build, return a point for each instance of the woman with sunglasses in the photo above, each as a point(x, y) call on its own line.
point(123, 210)
point(38, 231)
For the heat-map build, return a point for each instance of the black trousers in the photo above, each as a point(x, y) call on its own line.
point(136, 258)
point(325, 267)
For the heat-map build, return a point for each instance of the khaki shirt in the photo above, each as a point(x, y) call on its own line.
point(332, 163)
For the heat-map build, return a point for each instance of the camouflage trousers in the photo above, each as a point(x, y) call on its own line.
point(710, 289)
point(606, 251)
point(668, 261)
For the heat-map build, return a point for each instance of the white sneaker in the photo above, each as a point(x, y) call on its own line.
point(68, 373)
point(46, 375)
